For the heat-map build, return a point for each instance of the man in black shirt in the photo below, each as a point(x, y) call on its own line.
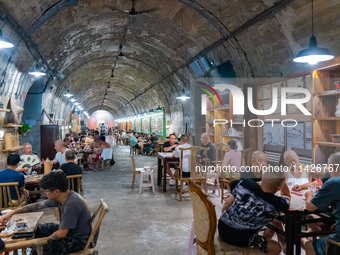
point(171, 145)
point(205, 142)
point(70, 168)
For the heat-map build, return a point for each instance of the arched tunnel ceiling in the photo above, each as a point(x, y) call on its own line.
point(81, 39)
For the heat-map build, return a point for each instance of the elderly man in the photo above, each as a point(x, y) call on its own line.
point(60, 155)
point(27, 147)
point(328, 195)
point(258, 161)
point(75, 217)
point(205, 142)
point(296, 175)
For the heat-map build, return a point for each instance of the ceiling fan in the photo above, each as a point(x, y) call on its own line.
point(133, 11)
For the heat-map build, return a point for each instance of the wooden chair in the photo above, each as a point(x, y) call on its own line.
point(6, 201)
point(135, 171)
point(75, 182)
point(133, 150)
point(156, 148)
point(193, 162)
point(22, 245)
point(274, 154)
point(101, 210)
point(207, 243)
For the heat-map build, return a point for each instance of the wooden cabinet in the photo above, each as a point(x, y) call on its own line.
point(223, 130)
point(326, 98)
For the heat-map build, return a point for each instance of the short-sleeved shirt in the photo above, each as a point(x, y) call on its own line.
point(186, 156)
point(329, 195)
point(303, 179)
point(133, 141)
point(211, 152)
point(167, 144)
point(251, 210)
point(325, 177)
point(9, 175)
point(60, 157)
point(153, 139)
point(74, 215)
point(71, 168)
point(232, 158)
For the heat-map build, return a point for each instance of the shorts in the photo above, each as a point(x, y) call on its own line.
point(136, 146)
point(320, 245)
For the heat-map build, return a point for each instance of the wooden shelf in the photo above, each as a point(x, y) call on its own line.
point(328, 93)
point(232, 136)
point(211, 135)
point(11, 125)
point(12, 149)
point(222, 108)
point(327, 144)
point(4, 110)
point(237, 123)
point(211, 110)
point(327, 118)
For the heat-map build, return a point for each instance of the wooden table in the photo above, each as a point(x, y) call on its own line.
point(32, 219)
point(167, 158)
point(294, 219)
point(33, 179)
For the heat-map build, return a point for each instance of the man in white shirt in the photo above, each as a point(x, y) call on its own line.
point(186, 166)
point(296, 175)
point(60, 156)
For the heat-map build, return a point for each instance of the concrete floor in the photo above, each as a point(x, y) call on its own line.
point(141, 224)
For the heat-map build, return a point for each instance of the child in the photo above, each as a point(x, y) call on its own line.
point(250, 207)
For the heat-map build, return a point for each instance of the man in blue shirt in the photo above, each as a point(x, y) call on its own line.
point(10, 175)
point(135, 144)
point(328, 195)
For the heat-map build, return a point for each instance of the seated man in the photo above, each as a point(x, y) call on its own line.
point(205, 143)
point(135, 143)
point(75, 227)
point(96, 148)
point(27, 147)
point(296, 174)
point(70, 168)
point(250, 207)
point(170, 147)
point(153, 138)
point(186, 155)
point(171, 144)
point(327, 196)
point(10, 175)
point(60, 155)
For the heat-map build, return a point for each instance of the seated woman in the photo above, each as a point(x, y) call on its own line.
point(232, 161)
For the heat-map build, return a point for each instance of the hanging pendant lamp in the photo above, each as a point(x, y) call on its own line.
point(313, 54)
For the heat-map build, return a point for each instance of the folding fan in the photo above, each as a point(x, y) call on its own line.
point(28, 161)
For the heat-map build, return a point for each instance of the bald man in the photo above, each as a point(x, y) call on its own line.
point(296, 175)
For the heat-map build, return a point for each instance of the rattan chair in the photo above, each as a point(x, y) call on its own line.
point(205, 221)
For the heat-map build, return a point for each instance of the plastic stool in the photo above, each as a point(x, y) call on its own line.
point(150, 183)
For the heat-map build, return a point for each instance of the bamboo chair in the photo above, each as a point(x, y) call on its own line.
point(193, 162)
point(101, 210)
point(6, 201)
point(207, 243)
point(75, 182)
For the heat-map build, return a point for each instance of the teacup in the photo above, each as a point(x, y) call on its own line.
point(21, 225)
point(3, 212)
